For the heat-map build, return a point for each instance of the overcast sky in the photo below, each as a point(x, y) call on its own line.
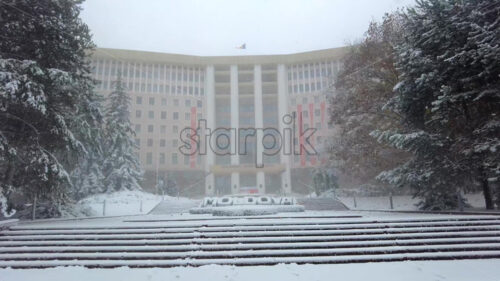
point(216, 27)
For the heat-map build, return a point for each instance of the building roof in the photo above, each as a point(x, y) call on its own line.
point(143, 56)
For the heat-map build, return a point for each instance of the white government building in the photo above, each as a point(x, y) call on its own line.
point(170, 92)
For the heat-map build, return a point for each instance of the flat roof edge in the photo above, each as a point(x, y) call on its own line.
point(147, 56)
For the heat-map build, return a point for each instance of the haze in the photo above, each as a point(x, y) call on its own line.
point(200, 27)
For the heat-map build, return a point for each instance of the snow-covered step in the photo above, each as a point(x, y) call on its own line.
point(247, 241)
point(254, 253)
point(235, 240)
point(248, 246)
point(216, 223)
point(323, 226)
point(264, 233)
point(254, 261)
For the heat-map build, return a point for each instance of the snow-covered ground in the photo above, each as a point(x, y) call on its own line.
point(467, 270)
point(401, 202)
point(124, 203)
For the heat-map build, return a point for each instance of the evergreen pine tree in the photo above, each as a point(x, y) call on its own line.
point(449, 95)
point(122, 167)
point(44, 83)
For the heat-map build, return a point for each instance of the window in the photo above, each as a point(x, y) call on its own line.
point(316, 98)
point(175, 129)
point(151, 101)
point(137, 128)
point(175, 143)
point(138, 100)
point(138, 142)
point(150, 128)
point(187, 116)
point(149, 158)
point(317, 112)
point(151, 114)
point(174, 158)
point(138, 114)
point(199, 103)
point(150, 142)
point(176, 102)
point(187, 103)
point(162, 158)
point(163, 101)
point(304, 100)
point(318, 125)
point(163, 129)
point(186, 160)
point(163, 115)
point(162, 143)
point(305, 114)
point(176, 115)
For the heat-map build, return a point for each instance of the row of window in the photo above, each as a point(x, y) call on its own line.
point(307, 87)
point(151, 101)
point(163, 128)
point(305, 100)
point(163, 143)
point(162, 72)
point(312, 70)
point(174, 160)
point(155, 88)
point(163, 115)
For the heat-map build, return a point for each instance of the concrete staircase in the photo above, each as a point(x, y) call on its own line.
point(167, 241)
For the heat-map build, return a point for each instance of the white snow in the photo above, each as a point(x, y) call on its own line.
point(124, 203)
point(484, 270)
point(400, 202)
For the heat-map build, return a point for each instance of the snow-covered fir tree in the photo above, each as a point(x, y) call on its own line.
point(44, 83)
point(122, 167)
point(449, 96)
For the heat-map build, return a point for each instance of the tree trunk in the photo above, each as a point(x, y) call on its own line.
point(488, 200)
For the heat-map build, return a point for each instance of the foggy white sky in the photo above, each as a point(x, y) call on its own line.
point(216, 27)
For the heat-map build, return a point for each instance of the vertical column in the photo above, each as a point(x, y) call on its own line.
point(210, 157)
point(286, 186)
point(259, 124)
point(235, 116)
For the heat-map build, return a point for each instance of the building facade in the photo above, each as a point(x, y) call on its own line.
point(193, 116)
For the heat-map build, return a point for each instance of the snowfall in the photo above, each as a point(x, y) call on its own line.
point(135, 206)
